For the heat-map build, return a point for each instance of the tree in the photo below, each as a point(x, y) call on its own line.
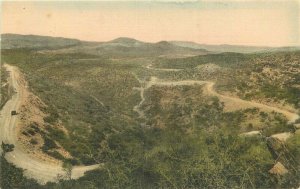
point(67, 167)
point(7, 147)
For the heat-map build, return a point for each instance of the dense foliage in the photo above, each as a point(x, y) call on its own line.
point(189, 140)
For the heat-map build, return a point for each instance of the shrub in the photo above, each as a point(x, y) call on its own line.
point(33, 141)
point(48, 144)
point(7, 147)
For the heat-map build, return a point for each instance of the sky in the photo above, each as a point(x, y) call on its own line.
point(237, 22)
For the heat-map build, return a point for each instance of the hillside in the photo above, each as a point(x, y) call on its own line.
point(120, 47)
point(125, 47)
point(125, 41)
point(154, 115)
point(12, 41)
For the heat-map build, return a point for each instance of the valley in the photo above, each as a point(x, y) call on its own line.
point(149, 115)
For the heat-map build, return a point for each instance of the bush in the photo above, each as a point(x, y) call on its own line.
point(56, 155)
point(7, 147)
point(33, 141)
point(48, 144)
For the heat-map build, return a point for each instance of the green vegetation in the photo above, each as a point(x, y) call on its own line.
point(5, 90)
point(264, 76)
point(92, 100)
point(189, 141)
point(12, 177)
point(225, 60)
point(171, 158)
point(7, 147)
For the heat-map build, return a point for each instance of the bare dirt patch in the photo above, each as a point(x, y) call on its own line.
point(32, 126)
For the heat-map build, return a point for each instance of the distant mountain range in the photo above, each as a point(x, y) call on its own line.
point(132, 47)
point(10, 41)
point(120, 47)
point(126, 46)
point(233, 48)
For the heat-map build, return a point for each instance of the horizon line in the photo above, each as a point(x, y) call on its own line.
point(199, 43)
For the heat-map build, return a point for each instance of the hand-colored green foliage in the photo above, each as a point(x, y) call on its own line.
point(190, 142)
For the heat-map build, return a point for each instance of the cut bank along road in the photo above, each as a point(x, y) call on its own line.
point(34, 168)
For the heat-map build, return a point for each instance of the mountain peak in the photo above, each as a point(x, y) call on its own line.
point(164, 44)
point(125, 40)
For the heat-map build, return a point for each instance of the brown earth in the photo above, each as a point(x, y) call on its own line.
point(42, 170)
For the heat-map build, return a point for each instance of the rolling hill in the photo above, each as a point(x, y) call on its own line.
point(125, 46)
point(120, 47)
point(233, 48)
point(13, 41)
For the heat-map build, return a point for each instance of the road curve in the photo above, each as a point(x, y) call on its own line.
point(209, 86)
point(291, 116)
point(34, 168)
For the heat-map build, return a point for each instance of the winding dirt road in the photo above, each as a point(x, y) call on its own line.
point(43, 171)
point(291, 116)
point(34, 168)
point(209, 87)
